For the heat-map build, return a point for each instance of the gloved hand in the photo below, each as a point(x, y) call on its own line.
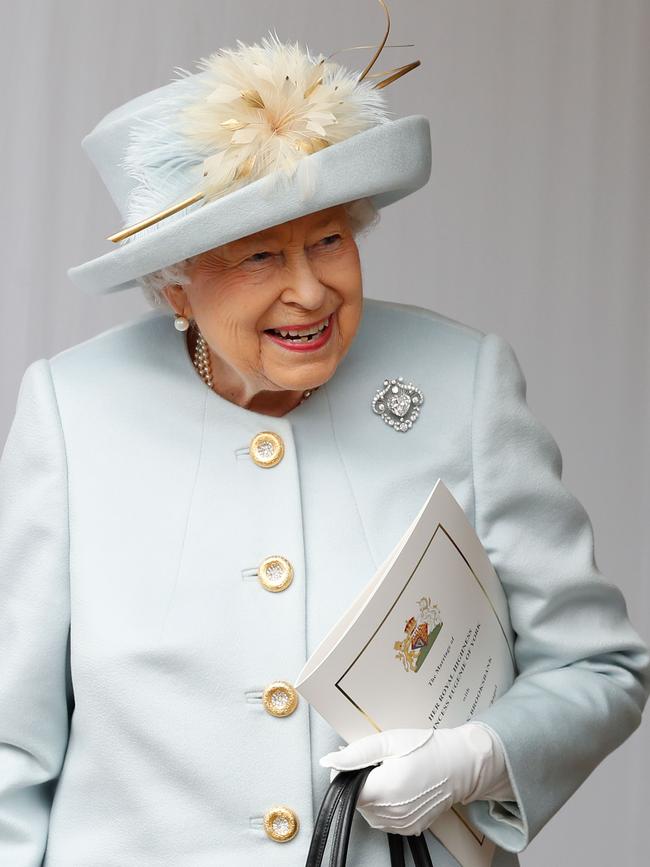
point(423, 772)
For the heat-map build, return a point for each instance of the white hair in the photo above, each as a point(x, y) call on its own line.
point(362, 216)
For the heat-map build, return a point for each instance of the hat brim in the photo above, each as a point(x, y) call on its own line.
point(386, 162)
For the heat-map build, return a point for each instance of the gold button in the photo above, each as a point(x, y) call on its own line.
point(266, 449)
point(280, 698)
point(281, 824)
point(275, 573)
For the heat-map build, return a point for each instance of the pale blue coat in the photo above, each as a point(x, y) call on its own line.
point(132, 521)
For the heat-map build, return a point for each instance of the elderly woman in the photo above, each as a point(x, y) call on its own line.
point(185, 511)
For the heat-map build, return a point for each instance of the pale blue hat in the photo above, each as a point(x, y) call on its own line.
point(263, 134)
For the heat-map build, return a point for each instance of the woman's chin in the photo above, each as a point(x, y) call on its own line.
point(301, 373)
point(311, 380)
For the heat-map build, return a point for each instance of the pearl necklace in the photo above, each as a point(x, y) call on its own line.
point(203, 365)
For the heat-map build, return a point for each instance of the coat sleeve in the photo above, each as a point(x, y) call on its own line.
point(35, 683)
point(583, 672)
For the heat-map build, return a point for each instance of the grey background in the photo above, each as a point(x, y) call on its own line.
point(535, 224)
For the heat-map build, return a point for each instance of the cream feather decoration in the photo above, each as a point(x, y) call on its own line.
point(252, 111)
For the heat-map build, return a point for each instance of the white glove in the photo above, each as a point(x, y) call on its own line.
point(423, 772)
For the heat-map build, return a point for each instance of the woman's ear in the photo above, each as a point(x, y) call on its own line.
point(178, 300)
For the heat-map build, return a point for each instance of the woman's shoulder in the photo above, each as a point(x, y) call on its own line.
point(130, 334)
point(417, 319)
point(413, 336)
point(140, 340)
point(118, 389)
point(120, 364)
point(432, 351)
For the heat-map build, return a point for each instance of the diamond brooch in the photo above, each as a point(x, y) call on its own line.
point(398, 403)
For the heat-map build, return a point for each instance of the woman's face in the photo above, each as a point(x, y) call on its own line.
point(288, 277)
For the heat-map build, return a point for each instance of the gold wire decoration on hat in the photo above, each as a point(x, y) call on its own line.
point(244, 133)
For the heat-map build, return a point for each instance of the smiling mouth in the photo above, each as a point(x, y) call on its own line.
point(300, 335)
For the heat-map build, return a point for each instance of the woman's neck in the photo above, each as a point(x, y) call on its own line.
point(265, 401)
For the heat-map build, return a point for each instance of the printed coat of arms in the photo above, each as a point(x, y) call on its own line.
point(420, 635)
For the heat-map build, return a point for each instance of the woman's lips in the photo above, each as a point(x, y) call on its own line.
point(308, 346)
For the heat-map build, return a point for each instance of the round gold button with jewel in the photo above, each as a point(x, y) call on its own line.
point(280, 698)
point(266, 448)
point(275, 573)
point(281, 824)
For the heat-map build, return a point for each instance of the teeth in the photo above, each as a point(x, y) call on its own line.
point(302, 335)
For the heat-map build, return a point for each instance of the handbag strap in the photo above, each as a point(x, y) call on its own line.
point(347, 807)
point(417, 845)
point(419, 850)
point(325, 817)
point(339, 804)
point(396, 849)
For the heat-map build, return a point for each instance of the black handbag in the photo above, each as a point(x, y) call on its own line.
point(338, 808)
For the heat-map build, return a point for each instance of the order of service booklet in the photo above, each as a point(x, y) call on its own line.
point(427, 642)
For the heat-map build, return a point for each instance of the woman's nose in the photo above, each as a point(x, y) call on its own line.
point(302, 284)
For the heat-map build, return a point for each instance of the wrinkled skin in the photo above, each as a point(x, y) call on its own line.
point(289, 275)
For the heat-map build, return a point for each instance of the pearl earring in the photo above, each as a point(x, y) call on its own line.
point(181, 323)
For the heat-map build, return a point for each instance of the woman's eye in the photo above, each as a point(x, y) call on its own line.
point(259, 258)
point(329, 240)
